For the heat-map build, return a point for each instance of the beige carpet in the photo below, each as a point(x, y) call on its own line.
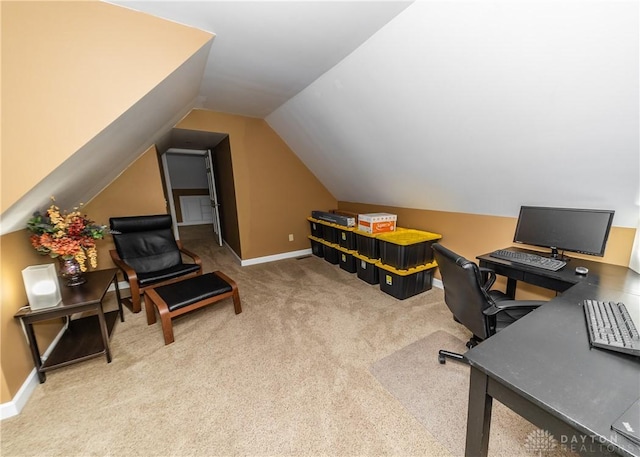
point(287, 377)
point(437, 396)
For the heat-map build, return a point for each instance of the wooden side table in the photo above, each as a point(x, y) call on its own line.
point(86, 337)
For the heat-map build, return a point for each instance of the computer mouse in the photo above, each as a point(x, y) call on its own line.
point(582, 270)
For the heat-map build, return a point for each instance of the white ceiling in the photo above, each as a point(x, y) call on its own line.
point(476, 106)
point(266, 52)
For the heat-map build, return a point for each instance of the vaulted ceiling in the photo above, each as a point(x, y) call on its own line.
point(463, 106)
point(266, 52)
point(472, 106)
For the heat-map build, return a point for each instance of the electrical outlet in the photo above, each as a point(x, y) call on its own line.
point(290, 236)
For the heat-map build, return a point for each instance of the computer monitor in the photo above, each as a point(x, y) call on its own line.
point(566, 229)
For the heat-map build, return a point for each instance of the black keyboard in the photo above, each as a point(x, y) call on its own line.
point(610, 327)
point(532, 260)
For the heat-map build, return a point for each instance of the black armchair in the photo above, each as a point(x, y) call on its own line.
point(469, 297)
point(149, 255)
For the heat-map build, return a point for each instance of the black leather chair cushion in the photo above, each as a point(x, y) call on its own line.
point(145, 279)
point(140, 223)
point(154, 251)
point(192, 290)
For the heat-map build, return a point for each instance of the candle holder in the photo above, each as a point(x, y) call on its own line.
point(41, 284)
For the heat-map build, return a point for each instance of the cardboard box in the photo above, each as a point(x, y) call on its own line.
point(377, 222)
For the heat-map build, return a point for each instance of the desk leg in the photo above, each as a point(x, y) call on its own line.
point(511, 288)
point(105, 333)
point(35, 352)
point(115, 285)
point(478, 415)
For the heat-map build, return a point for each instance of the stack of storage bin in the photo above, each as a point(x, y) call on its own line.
point(401, 261)
point(367, 255)
point(336, 243)
point(406, 262)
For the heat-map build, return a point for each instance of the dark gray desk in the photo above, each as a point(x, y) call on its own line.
point(602, 274)
point(543, 368)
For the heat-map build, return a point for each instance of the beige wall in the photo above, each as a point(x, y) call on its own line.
point(136, 191)
point(471, 235)
point(16, 254)
point(275, 191)
point(60, 91)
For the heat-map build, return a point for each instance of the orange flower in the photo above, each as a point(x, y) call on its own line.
point(66, 235)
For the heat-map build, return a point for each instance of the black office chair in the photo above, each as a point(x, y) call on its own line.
point(149, 255)
point(469, 297)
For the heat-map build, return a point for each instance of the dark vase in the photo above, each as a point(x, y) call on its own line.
point(71, 272)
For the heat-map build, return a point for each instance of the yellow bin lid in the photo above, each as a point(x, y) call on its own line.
point(357, 255)
point(410, 271)
point(408, 236)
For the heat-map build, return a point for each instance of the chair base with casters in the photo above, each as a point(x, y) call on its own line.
point(444, 354)
point(188, 295)
point(468, 295)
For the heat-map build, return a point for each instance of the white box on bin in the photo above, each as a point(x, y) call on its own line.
point(377, 222)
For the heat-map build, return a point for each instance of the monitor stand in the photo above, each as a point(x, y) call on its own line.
point(558, 256)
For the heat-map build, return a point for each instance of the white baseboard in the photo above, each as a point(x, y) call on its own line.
point(438, 283)
point(14, 407)
point(273, 258)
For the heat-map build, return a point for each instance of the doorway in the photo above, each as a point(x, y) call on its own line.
point(220, 147)
point(191, 187)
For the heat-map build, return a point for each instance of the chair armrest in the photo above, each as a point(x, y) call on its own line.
point(512, 304)
point(194, 256)
point(491, 278)
point(128, 271)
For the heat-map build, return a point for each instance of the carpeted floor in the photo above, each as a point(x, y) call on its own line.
point(436, 396)
point(289, 376)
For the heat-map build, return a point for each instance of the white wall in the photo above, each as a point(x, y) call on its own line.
point(481, 107)
point(187, 171)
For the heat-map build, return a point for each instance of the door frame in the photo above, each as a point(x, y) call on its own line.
point(167, 179)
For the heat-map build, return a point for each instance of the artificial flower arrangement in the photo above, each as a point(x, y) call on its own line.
point(68, 235)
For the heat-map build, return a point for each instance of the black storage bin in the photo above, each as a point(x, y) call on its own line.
point(331, 254)
point(367, 245)
point(403, 284)
point(346, 238)
point(367, 269)
point(317, 248)
point(330, 233)
point(347, 261)
point(407, 248)
point(316, 227)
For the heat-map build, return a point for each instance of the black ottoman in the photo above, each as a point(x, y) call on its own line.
point(184, 296)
